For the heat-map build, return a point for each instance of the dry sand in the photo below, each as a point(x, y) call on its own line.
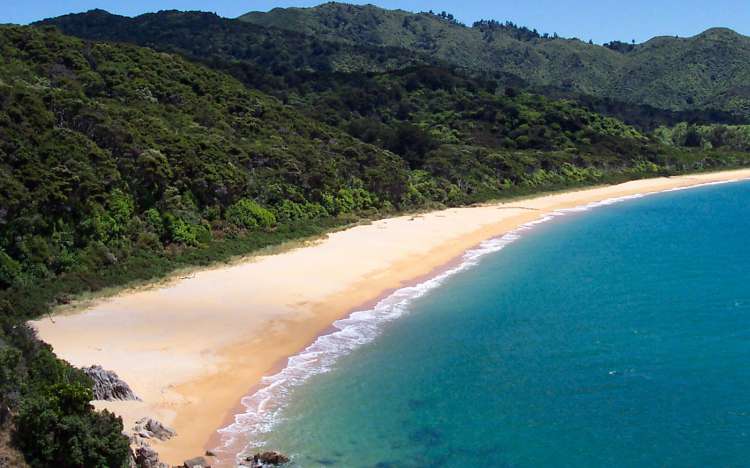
point(193, 347)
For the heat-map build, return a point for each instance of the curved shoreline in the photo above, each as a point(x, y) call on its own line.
point(209, 347)
point(254, 417)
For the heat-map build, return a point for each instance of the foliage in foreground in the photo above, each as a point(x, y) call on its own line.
point(55, 425)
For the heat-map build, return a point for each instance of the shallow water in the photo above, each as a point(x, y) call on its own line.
point(618, 336)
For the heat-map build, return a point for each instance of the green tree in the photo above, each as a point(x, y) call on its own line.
point(249, 214)
point(9, 270)
point(58, 428)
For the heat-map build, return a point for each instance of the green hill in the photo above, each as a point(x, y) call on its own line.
point(183, 149)
point(89, 129)
point(441, 109)
point(265, 58)
point(709, 70)
point(274, 59)
point(121, 163)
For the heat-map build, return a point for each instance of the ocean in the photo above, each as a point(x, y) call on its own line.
point(614, 335)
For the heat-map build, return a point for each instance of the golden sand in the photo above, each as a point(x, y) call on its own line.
point(193, 347)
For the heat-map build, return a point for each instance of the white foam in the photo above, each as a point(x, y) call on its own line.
point(263, 408)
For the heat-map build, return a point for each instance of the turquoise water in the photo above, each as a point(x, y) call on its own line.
point(615, 337)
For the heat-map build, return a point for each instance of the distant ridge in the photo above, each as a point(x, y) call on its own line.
point(709, 70)
point(197, 34)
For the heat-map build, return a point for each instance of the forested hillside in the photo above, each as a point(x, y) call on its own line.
point(121, 163)
point(274, 59)
point(112, 150)
point(708, 71)
point(264, 58)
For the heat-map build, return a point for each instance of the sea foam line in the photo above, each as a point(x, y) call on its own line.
point(263, 408)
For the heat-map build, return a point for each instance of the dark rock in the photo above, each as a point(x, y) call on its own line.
point(210, 453)
point(197, 462)
point(64, 299)
point(108, 386)
point(131, 459)
point(137, 440)
point(148, 428)
point(5, 414)
point(146, 457)
point(110, 258)
point(265, 459)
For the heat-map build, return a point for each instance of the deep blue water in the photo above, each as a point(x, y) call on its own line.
point(617, 337)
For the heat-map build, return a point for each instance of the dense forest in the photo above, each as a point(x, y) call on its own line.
point(268, 59)
point(276, 60)
point(209, 138)
point(708, 72)
point(115, 162)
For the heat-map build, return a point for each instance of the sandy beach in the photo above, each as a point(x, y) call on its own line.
point(192, 347)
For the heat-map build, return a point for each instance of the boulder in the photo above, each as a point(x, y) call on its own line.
point(148, 428)
point(266, 459)
point(5, 414)
point(64, 298)
point(146, 457)
point(110, 258)
point(197, 462)
point(136, 440)
point(108, 386)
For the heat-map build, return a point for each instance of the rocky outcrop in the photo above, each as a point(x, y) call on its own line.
point(148, 428)
point(146, 457)
point(142, 454)
point(5, 414)
point(108, 386)
point(266, 460)
point(197, 462)
point(10, 457)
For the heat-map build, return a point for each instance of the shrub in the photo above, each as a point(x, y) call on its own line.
point(57, 427)
point(344, 201)
point(314, 210)
point(9, 270)
point(250, 215)
point(288, 211)
point(120, 207)
point(154, 220)
point(353, 200)
point(183, 232)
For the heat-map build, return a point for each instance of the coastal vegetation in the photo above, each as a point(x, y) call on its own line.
point(213, 138)
point(269, 56)
point(735, 137)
